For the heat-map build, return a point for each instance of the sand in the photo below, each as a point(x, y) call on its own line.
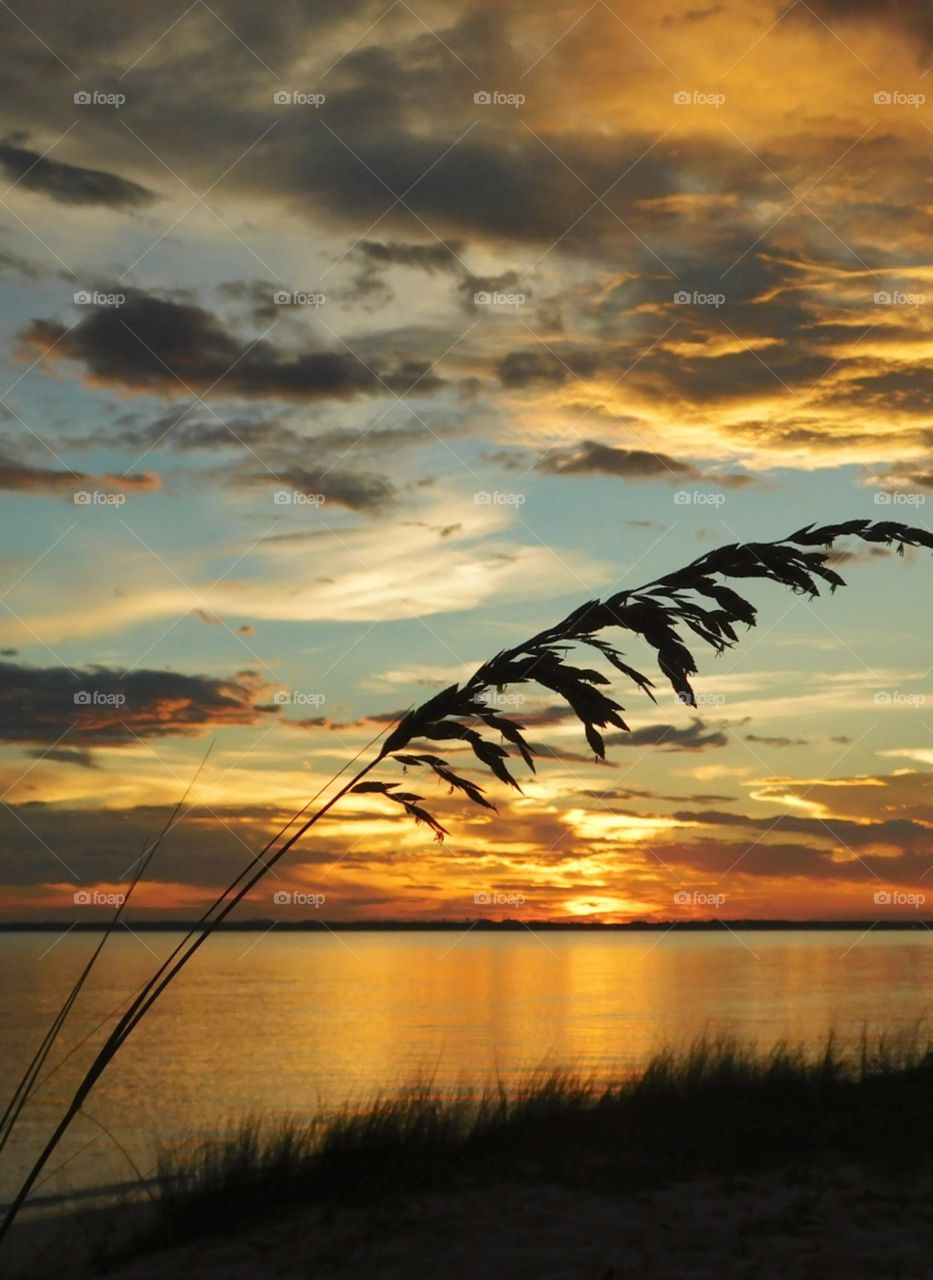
point(831, 1225)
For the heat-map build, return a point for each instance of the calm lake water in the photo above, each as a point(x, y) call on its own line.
point(290, 1023)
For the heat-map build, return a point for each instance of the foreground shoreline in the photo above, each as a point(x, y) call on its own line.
point(720, 1160)
point(827, 1226)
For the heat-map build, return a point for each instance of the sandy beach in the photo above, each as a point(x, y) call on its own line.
point(832, 1224)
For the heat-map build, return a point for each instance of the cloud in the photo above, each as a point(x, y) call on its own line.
point(530, 368)
point(893, 833)
point(16, 264)
point(907, 794)
point(66, 755)
point(906, 476)
point(434, 256)
point(23, 478)
point(101, 845)
point(642, 793)
point(668, 737)
point(378, 720)
point(282, 444)
point(374, 258)
point(355, 490)
point(594, 458)
point(766, 741)
point(156, 345)
point(107, 707)
point(71, 184)
point(367, 571)
point(913, 17)
point(509, 282)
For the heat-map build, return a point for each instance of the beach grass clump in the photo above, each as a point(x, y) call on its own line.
point(717, 1108)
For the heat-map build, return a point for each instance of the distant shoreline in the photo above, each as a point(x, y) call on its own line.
point(475, 926)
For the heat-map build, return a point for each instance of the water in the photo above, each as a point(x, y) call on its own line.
point(289, 1023)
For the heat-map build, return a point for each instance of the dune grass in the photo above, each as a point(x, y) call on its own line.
point(716, 1108)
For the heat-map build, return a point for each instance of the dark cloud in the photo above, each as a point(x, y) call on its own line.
point(541, 367)
point(507, 282)
point(766, 741)
point(356, 490)
point(897, 833)
point(914, 17)
point(690, 16)
point(41, 843)
point(696, 736)
point(23, 478)
point(66, 755)
point(374, 258)
point(71, 184)
point(538, 719)
point(107, 707)
point(278, 440)
point(554, 751)
point(668, 737)
point(376, 721)
point(725, 858)
point(591, 457)
point(431, 257)
point(642, 793)
point(151, 344)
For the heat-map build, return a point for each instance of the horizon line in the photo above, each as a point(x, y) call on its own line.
point(172, 925)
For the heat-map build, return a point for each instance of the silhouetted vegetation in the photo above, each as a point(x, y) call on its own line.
point(718, 1108)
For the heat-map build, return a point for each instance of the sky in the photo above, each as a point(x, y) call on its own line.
point(346, 344)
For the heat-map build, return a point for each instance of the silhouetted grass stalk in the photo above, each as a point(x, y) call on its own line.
point(27, 1084)
point(166, 972)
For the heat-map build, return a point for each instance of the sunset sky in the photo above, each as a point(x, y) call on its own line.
point(572, 293)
